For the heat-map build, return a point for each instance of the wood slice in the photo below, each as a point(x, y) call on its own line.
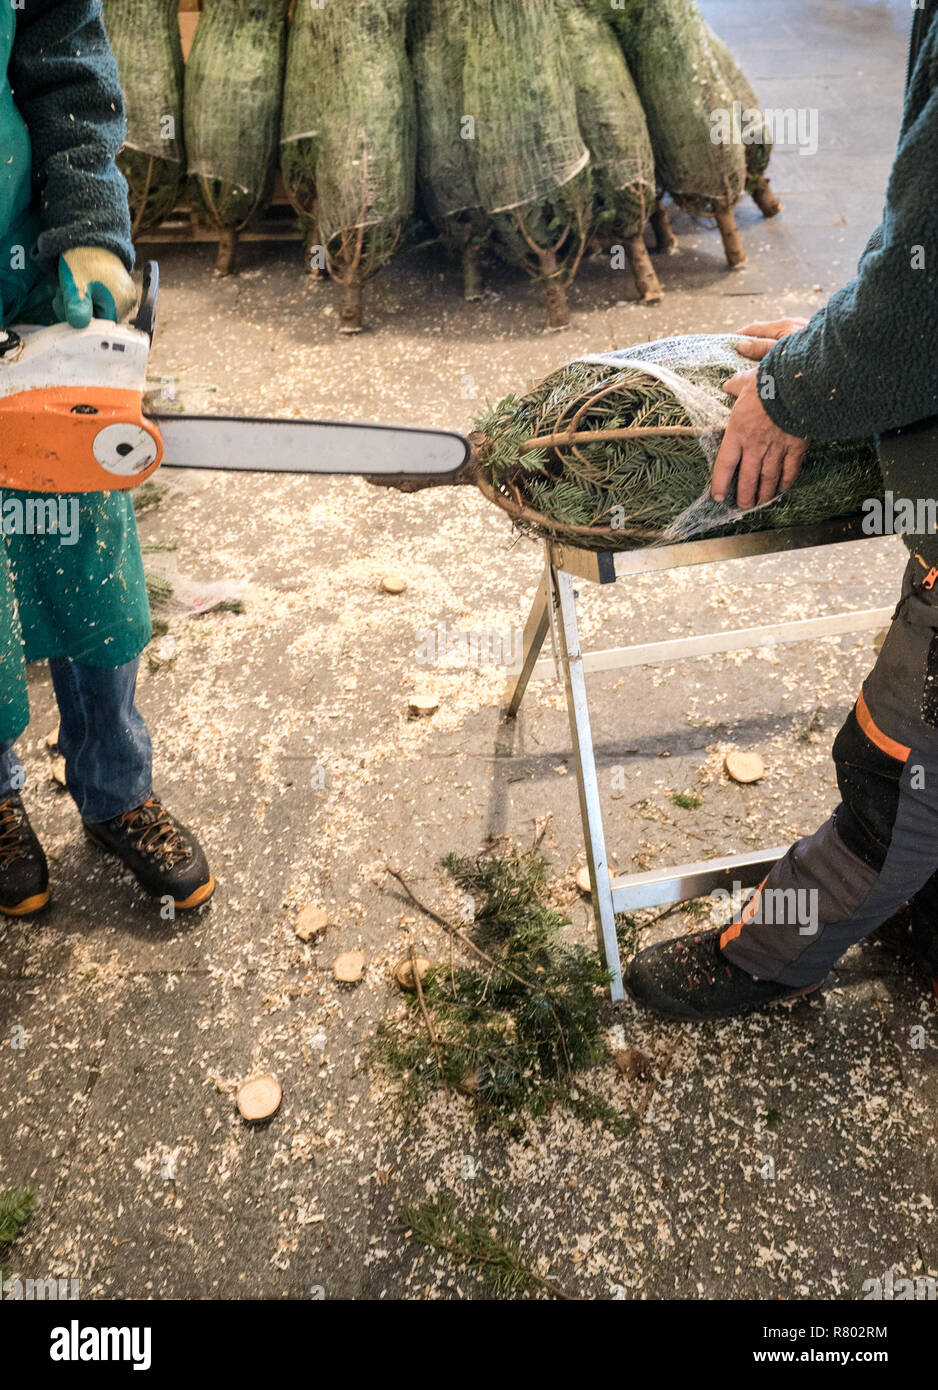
point(311, 922)
point(349, 967)
point(404, 972)
point(583, 879)
point(744, 767)
point(259, 1098)
point(421, 705)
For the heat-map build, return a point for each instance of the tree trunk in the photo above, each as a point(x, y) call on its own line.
point(227, 251)
point(646, 281)
point(763, 197)
point(311, 243)
point(665, 240)
point(732, 245)
point(555, 297)
point(555, 291)
point(350, 315)
point(471, 273)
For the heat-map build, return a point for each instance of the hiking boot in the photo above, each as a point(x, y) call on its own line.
point(690, 978)
point(912, 933)
point(165, 857)
point(24, 873)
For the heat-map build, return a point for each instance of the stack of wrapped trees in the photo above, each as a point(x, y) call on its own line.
point(534, 132)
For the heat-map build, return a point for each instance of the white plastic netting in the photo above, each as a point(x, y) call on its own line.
point(694, 368)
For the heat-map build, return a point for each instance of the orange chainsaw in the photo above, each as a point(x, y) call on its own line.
point(73, 418)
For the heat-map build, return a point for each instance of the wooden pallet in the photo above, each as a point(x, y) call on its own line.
point(187, 223)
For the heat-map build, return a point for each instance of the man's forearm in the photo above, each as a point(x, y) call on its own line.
point(66, 86)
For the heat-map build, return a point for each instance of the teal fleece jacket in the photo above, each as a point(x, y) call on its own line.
point(868, 361)
point(65, 85)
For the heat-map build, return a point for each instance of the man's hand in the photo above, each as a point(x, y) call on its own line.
point(92, 284)
point(766, 335)
point(768, 459)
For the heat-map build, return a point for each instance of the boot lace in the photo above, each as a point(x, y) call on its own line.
point(14, 836)
point(152, 831)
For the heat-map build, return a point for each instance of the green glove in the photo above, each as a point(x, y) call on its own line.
point(92, 284)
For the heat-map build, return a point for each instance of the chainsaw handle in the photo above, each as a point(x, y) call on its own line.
point(145, 318)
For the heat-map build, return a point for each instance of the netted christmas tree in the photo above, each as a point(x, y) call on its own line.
point(681, 83)
point(616, 450)
point(444, 168)
point(348, 137)
point(757, 144)
point(529, 163)
point(234, 81)
point(144, 35)
point(613, 127)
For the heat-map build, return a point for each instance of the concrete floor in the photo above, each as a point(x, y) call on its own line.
point(119, 1109)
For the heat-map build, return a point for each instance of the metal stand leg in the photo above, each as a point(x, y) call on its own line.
point(587, 783)
point(535, 630)
point(555, 607)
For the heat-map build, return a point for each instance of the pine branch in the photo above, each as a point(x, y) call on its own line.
point(515, 1029)
point(476, 1245)
point(16, 1206)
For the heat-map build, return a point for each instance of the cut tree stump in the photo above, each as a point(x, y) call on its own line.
point(259, 1098)
point(349, 967)
point(311, 922)
point(744, 767)
point(583, 879)
point(404, 972)
point(421, 705)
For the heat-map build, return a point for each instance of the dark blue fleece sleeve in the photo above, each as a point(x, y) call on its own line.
point(868, 361)
point(66, 87)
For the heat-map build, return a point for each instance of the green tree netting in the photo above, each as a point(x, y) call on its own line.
point(529, 162)
point(759, 151)
point(444, 167)
point(144, 35)
point(349, 111)
point(298, 150)
point(233, 89)
point(681, 83)
point(613, 127)
point(646, 424)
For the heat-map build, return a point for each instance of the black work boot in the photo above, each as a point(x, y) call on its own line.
point(24, 873)
point(165, 857)
point(690, 978)
point(912, 933)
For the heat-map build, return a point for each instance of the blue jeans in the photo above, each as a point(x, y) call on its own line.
point(102, 736)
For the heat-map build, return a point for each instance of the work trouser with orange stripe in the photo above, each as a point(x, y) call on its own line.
point(880, 847)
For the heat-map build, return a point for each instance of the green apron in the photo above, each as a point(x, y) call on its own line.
point(86, 600)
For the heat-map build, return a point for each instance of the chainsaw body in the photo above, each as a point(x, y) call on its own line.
point(71, 408)
point(72, 420)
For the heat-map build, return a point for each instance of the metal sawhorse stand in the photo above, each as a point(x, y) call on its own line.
point(554, 610)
